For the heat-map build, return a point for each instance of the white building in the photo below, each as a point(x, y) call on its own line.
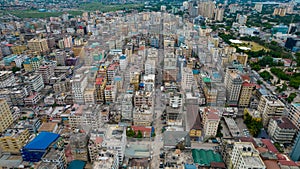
point(210, 122)
point(293, 112)
point(123, 62)
point(281, 130)
point(175, 100)
point(7, 79)
point(35, 82)
point(89, 115)
point(150, 66)
point(233, 85)
point(270, 106)
point(244, 156)
point(242, 19)
point(187, 79)
point(79, 83)
point(149, 83)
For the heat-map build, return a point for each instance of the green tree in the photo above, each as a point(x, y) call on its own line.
point(130, 132)
point(266, 75)
point(139, 134)
point(15, 69)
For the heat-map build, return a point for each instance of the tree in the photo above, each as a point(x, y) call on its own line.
point(130, 132)
point(15, 69)
point(291, 97)
point(266, 75)
point(259, 82)
point(139, 134)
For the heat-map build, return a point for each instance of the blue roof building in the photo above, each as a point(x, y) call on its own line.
point(76, 164)
point(35, 149)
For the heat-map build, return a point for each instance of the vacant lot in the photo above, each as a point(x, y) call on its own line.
point(254, 46)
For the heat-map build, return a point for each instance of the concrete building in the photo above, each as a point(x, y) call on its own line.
point(38, 45)
point(150, 67)
point(79, 83)
point(90, 95)
point(32, 99)
point(79, 146)
point(258, 7)
point(233, 85)
point(123, 62)
point(35, 82)
point(110, 93)
point(143, 98)
point(210, 121)
point(142, 115)
point(187, 79)
point(206, 9)
point(293, 112)
point(170, 70)
point(13, 140)
point(295, 155)
point(281, 130)
point(89, 115)
point(47, 72)
point(246, 94)
point(7, 79)
point(174, 116)
point(242, 19)
point(100, 85)
point(270, 106)
point(149, 83)
point(56, 157)
point(219, 14)
point(244, 155)
point(126, 106)
point(115, 139)
point(175, 99)
point(6, 118)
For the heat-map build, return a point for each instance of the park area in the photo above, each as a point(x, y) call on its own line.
point(254, 46)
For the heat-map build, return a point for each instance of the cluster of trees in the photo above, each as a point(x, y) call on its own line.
point(266, 75)
point(294, 79)
point(291, 97)
point(253, 124)
point(131, 133)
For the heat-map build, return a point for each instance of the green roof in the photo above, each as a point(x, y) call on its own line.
point(205, 157)
point(206, 80)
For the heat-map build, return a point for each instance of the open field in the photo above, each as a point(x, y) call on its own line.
point(106, 8)
point(37, 14)
point(255, 46)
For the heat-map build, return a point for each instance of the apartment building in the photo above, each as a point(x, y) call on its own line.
point(47, 72)
point(79, 146)
point(38, 45)
point(270, 106)
point(281, 130)
point(56, 157)
point(233, 85)
point(89, 115)
point(35, 82)
point(246, 93)
point(110, 93)
point(6, 118)
point(244, 155)
point(115, 139)
point(79, 83)
point(150, 67)
point(210, 121)
point(13, 140)
point(293, 111)
point(174, 116)
point(187, 79)
point(149, 82)
point(143, 98)
point(100, 85)
point(175, 99)
point(7, 79)
point(126, 106)
point(142, 116)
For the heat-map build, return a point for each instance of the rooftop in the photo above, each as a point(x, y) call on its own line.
point(284, 123)
point(42, 141)
point(205, 157)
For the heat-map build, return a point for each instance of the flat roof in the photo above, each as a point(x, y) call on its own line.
point(205, 157)
point(42, 141)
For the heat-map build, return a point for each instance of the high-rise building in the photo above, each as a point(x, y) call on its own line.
point(281, 11)
point(293, 112)
point(13, 140)
point(79, 83)
point(47, 72)
point(6, 118)
point(246, 93)
point(68, 41)
point(270, 106)
point(244, 155)
point(219, 14)
point(233, 85)
point(281, 130)
point(242, 19)
point(35, 82)
point(38, 45)
point(170, 69)
point(210, 121)
point(258, 7)
point(295, 155)
point(123, 62)
point(187, 79)
point(206, 9)
point(7, 79)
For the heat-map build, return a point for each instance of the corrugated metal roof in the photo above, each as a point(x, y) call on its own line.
point(42, 141)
